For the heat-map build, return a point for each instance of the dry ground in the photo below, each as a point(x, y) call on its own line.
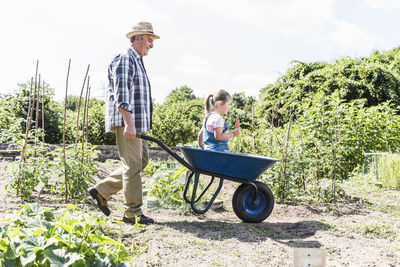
point(351, 234)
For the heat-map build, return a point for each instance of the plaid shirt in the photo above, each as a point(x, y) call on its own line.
point(129, 88)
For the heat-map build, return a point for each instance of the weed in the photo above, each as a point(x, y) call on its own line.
point(376, 229)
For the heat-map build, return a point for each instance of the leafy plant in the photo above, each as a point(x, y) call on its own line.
point(176, 123)
point(167, 185)
point(28, 172)
point(80, 170)
point(36, 236)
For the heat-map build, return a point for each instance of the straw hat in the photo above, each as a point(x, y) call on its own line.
point(142, 28)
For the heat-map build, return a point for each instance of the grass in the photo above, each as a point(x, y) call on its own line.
point(385, 169)
point(376, 229)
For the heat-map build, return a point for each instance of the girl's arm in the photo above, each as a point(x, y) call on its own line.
point(200, 140)
point(220, 136)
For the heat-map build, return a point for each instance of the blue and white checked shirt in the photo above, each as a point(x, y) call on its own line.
point(129, 88)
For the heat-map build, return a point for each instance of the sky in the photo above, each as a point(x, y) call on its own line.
point(236, 45)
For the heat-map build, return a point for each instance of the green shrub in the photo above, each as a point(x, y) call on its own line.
point(34, 168)
point(80, 170)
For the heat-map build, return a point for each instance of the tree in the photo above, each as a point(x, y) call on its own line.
point(52, 111)
point(242, 109)
point(180, 94)
point(376, 79)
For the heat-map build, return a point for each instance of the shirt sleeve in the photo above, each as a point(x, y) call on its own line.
point(218, 122)
point(214, 121)
point(121, 83)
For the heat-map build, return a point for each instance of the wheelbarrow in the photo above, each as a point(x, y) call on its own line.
point(253, 201)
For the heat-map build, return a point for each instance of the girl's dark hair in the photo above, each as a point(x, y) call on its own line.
point(221, 95)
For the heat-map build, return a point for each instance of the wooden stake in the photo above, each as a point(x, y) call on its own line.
point(87, 117)
point(43, 94)
point(29, 103)
point(20, 166)
point(65, 117)
point(79, 106)
point(84, 118)
point(37, 117)
point(30, 116)
point(285, 158)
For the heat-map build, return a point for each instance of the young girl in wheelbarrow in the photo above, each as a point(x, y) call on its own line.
point(214, 134)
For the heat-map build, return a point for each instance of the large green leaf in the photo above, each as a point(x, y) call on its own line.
point(59, 257)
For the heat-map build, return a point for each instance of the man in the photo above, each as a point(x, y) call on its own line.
point(128, 112)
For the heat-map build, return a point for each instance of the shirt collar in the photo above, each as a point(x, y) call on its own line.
point(132, 52)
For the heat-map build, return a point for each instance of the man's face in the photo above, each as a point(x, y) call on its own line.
point(143, 46)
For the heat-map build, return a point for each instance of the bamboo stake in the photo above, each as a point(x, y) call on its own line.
point(285, 158)
point(43, 94)
point(65, 117)
point(272, 124)
point(29, 104)
point(84, 118)
point(30, 116)
point(334, 154)
point(20, 166)
point(79, 106)
point(87, 117)
point(37, 117)
point(84, 111)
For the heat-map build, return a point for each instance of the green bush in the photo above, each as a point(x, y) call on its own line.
point(34, 168)
point(376, 79)
point(176, 123)
point(53, 112)
point(80, 169)
point(327, 141)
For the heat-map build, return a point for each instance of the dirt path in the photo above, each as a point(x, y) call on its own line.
point(351, 234)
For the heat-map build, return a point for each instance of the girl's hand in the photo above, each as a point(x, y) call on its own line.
point(237, 131)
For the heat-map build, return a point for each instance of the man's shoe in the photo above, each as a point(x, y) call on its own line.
point(142, 220)
point(101, 201)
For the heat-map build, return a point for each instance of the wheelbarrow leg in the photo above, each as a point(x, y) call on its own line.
point(193, 199)
point(188, 179)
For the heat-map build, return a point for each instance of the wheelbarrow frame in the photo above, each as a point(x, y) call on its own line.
point(194, 173)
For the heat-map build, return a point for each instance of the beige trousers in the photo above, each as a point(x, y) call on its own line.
point(134, 157)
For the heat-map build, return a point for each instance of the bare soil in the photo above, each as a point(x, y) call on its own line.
point(359, 233)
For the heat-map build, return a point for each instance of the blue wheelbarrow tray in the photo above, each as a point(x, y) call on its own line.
point(237, 165)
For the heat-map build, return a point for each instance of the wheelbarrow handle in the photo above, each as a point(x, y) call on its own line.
point(166, 149)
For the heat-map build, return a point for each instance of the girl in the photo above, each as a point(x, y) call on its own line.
point(213, 135)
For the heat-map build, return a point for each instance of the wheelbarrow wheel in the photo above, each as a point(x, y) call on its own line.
point(247, 208)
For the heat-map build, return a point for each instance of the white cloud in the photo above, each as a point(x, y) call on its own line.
point(348, 37)
point(285, 16)
point(161, 86)
point(192, 60)
point(310, 21)
point(252, 82)
point(191, 64)
point(382, 4)
point(253, 78)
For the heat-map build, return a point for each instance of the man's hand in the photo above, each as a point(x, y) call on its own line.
point(130, 131)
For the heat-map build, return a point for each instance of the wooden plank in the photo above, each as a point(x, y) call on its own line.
point(309, 257)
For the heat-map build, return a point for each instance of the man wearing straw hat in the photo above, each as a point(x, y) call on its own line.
point(128, 112)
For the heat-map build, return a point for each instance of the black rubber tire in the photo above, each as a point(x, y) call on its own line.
point(248, 212)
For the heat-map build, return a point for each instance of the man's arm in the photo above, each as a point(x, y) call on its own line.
point(122, 96)
point(130, 129)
